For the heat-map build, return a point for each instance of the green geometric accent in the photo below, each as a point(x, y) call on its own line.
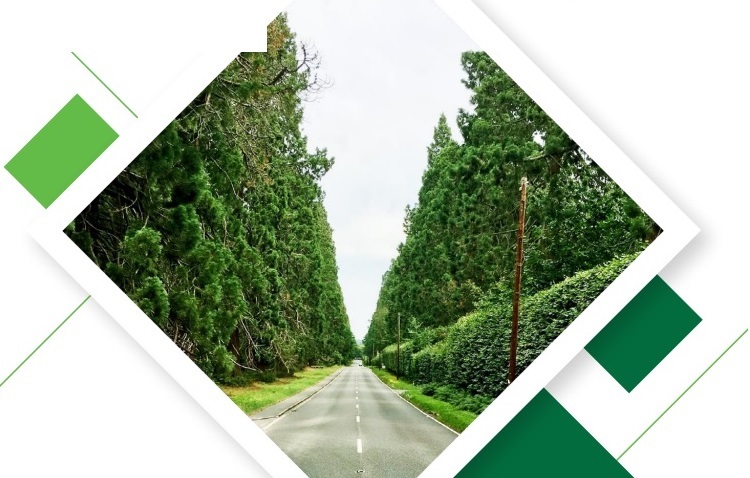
point(543, 441)
point(645, 331)
point(683, 393)
point(104, 84)
point(61, 151)
point(44, 341)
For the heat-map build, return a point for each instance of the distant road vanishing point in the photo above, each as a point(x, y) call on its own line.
point(356, 426)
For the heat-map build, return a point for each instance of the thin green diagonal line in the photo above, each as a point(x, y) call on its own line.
point(683, 393)
point(44, 341)
point(105, 85)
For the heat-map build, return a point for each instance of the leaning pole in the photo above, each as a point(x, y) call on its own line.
point(517, 283)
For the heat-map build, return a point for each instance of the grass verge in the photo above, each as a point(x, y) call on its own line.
point(444, 412)
point(258, 395)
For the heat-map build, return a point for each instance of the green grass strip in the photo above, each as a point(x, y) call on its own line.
point(446, 413)
point(258, 395)
point(682, 394)
point(105, 85)
point(44, 341)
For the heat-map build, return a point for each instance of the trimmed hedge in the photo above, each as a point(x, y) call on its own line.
point(429, 364)
point(474, 355)
point(389, 357)
point(477, 351)
point(549, 312)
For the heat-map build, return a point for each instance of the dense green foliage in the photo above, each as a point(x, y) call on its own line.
point(217, 229)
point(450, 287)
point(473, 357)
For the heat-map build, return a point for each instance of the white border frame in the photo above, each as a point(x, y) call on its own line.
point(678, 232)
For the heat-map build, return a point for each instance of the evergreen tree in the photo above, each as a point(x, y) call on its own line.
point(217, 229)
point(461, 235)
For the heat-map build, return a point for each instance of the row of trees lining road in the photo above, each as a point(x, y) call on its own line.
point(217, 230)
point(459, 251)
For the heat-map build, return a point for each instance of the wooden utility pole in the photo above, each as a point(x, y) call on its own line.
point(517, 284)
point(398, 348)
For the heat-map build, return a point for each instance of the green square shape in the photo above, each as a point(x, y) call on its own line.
point(544, 441)
point(61, 151)
point(643, 333)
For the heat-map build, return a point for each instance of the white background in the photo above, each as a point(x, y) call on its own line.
point(667, 83)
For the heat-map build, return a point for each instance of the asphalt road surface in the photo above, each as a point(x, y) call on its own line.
point(356, 426)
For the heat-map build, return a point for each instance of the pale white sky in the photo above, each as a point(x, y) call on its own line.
point(395, 67)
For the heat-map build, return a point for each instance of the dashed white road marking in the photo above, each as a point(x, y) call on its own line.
point(359, 445)
point(357, 418)
point(357, 405)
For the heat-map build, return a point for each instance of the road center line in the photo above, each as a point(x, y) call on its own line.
point(359, 445)
point(357, 418)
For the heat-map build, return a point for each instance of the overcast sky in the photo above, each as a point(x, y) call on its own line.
point(394, 67)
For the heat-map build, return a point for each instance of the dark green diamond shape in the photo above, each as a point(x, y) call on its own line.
point(643, 333)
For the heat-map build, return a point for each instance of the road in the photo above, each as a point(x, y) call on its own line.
point(357, 426)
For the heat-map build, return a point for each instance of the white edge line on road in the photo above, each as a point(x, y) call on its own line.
point(295, 406)
point(417, 408)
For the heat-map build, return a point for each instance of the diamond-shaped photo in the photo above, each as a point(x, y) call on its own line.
point(364, 234)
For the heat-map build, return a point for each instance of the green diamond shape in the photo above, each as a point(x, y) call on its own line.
point(643, 333)
point(61, 151)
